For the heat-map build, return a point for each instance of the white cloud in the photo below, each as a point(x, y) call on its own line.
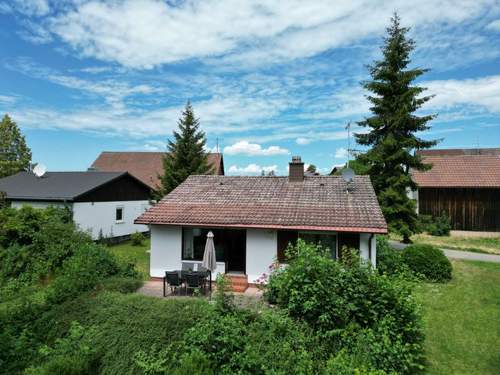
point(494, 25)
point(155, 146)
point(27, 7)
point(252, 169)
point(8, 99)
point(341, 153)
point(253, 149)
point(302, 141)
point(480, 93)
point(148, 33)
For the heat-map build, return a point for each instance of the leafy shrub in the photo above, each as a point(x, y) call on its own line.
point(245, 343)
point(35, 242)
point(125, 324)
point(137, 238)
point(435, 226)
point(389, 260)
point(89, 266)
point(428, 261)
point(334, 298)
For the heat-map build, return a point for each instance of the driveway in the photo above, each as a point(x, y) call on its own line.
point(456, 254)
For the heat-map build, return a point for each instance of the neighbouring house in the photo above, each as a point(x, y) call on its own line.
point(255, 218)
point(146, 166)
point(464, 184)
point(102, 203)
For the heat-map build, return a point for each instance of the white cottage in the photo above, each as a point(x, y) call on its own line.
point(101, 202)
point(254, 218)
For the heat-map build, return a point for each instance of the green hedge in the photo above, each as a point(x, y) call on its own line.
point(428, 261)
point(351, 307)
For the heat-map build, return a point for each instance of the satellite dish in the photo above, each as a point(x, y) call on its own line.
point(348, 175)
point(39, 170)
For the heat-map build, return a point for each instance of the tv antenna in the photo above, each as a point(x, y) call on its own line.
point(40, 170)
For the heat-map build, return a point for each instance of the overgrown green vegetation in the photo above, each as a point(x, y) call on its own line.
point(15, 155)
point(371, 319)
point(137, 255)
point(46, 261)
point(462, 320)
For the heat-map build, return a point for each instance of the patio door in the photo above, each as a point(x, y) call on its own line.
point(235, 245)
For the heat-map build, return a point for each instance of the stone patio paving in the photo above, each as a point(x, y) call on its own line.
point(154, 288)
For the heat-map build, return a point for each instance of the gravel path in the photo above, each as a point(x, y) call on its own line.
point(456, 254)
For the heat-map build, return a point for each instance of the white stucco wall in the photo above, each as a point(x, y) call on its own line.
point(166, 247)
point(262, 247)
point(364, 240)
point(96, 216)
point(39, 204)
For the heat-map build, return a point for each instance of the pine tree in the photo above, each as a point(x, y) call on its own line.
point(185, 154)
point(393, 128)
point(15, 155)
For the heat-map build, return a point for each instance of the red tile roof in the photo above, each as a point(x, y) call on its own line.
point(146, 166)
point(317, 203)
point(460, 168)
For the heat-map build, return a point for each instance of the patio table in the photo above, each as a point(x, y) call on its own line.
point(182, 277)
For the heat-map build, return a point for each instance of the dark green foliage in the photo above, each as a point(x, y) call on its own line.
point(428, 261)
point(435, 226)
point(393, 129)
point(126, 325)
point(89, 265)
point(71, 355)
point(35, 242)
point(15, 155)
point(185, 155)
point(389, 260)
point(339, 301)
point(137, 238)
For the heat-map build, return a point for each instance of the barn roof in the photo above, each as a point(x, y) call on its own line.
point(146, 166)
point(455, 168)
point(55, 186)
point(316, 203)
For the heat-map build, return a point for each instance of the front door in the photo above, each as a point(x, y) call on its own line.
point(235, 250)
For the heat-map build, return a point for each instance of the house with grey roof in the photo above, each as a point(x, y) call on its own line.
point(102, 203)
point(253, 220)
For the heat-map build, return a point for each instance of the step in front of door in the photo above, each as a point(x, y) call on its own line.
point(239, 283)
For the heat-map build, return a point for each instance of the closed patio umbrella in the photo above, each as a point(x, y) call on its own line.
point(209, 261)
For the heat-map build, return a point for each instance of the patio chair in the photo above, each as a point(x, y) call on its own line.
point(173, 280)
point(187, 266)
point(194, 280)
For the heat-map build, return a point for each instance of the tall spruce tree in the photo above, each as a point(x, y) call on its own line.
point(393, 129)
point(185, 154)
point(15, 155)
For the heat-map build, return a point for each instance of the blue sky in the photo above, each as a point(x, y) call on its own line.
point(268, 79)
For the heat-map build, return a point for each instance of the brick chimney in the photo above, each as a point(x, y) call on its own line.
point(296, 170)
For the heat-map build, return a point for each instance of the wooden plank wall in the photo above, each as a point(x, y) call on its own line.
point(469, 209)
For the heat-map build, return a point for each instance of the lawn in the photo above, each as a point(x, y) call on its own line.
point(462, 320)
point(138, 255)
point(487, 245)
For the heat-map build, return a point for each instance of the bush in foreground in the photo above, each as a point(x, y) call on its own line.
point(428, 261)
point(352, 307)
point(137, 238)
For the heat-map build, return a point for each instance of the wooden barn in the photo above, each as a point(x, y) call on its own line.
point(464, 184)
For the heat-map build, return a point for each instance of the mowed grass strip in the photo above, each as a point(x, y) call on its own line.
point(489, 245)
point(462, 320)
point(138, 255)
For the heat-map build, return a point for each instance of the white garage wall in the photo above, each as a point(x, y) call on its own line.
point(96, 216)
point(261, 252)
